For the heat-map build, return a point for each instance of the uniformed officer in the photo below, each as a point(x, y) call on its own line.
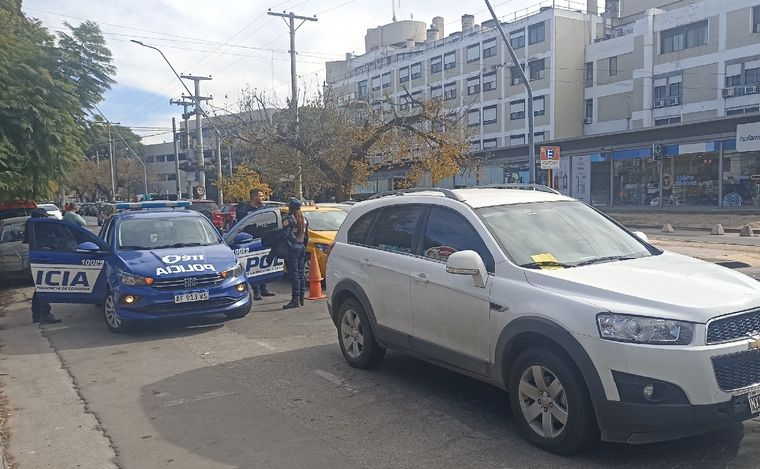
point(297, 235)
point(40, 309)
point(243, 209)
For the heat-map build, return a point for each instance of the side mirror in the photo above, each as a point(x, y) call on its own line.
point(242, 238)
point(88, 247)
point(468, 263)
point(642, 236)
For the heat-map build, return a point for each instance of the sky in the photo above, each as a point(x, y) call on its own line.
point(236, 43)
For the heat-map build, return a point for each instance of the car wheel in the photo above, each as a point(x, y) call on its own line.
point(356, 338)
point(550, 402)
point(114, 323)
point(239, 313)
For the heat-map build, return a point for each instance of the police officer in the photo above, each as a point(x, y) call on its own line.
point(40, 309)
point(243, 209)
point(297, 236)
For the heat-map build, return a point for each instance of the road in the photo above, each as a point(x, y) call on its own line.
point(269, 391)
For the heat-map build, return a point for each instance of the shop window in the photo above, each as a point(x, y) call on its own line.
point(473, 53)
point(473, 85)
point(449, 60)
point(436, 64)
point(489, 115)
point(489, 48)
point(684, 37)
point(403, 74)
point(690, 179)
point(601, 166)
point(517, 39)
point(538, 106)
point(473, 117)
point(416, 70)
point(537, 69)
point(517, 110)
point(738, 187)
point(489, 81)
point(536, 33)
point(449, 91)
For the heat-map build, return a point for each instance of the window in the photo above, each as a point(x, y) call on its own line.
point(473, 117)
point(517, 39)
point(538, 106)
point(473, 85)
point(489, 143)
point(474, 145)
point(536, 69)
point(436, 92)
point(473, 53)
point(489, 48)
point(376, 83)
point(514, 71)
point(489, 115)
point(416, 70)
point(517, 139)
point(733, 75)
point(362, 89)
point(539, 137)
point(436, 64)
point(756, 19)
point(150, 159)
point(613, 66)
point(536, 33)
point(447, 232)
point(171, 177)
point(667, 91)
point(358, 232)
point(589, 109)
point(684, 37)
point(489, 81)
point(752, 76)
point(396, 227)
point(589, 74)
point(668, 120)
point(450, 91)
point(517, 110)
point(416, 99)
point(449, 60)
point(257, 225)
point(403, 74)
point(386, 80)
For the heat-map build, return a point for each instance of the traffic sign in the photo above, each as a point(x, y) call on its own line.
point(550, 157)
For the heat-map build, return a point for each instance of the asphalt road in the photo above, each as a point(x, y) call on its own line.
point(272, 391)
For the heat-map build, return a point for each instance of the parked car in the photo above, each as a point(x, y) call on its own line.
point(209, 209)
point(19, 208)
point(591, 329)
point(52, 210)
point(14, 253)
point(104, 212)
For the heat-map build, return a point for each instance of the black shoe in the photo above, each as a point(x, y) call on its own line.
point(300, 300)
point(267, 293)
point(49, 319)
point(291, 305)
point(257, 297)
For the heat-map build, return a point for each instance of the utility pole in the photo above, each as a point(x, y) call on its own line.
point(113, 163)
point(292, 17)
point(229, 155)
point(186, 119)
point(197, 98)
point(176, 159)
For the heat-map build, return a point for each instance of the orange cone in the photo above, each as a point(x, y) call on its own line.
point(315, 279)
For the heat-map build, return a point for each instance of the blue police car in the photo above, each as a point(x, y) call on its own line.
point(245, 239)
point(151, 261)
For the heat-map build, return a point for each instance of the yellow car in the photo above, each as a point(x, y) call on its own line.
point(323, 226)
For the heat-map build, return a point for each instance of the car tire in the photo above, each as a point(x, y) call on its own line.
point(113, 322)
point(356, 337)
point(239, 314)
point(545, 389)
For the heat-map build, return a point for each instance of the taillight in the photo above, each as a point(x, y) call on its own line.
point(217, 217)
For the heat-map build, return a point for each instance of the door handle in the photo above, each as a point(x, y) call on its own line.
point(421, 278)
point(366, 262)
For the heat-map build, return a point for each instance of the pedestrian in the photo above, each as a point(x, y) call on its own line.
point(71, 215)
point(243, 209)
point(40, 309)
point(297, 236)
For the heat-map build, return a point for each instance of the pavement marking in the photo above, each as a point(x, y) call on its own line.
point(267, 346)
point(55, 328)
point(208, 395)
point(336, 380)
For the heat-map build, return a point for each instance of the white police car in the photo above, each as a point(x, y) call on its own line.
point(145, 265)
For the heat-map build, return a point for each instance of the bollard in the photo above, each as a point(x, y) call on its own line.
point(667, 228)
point(718, 230)
point(747, 232)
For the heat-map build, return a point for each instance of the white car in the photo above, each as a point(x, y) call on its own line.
point(52, 210)
point(591, 330)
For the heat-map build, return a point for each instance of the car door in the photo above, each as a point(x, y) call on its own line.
point(254, 257)
point(451, 314)
point(385, 266)
point(68, 262)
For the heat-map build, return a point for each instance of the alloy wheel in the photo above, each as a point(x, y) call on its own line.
point(109, 309)
point(352, 334)
point(543, 401)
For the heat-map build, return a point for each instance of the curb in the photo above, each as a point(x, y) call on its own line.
point(677, 228)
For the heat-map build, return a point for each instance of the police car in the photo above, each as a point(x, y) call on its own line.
point(151, 261)
point(245, 240)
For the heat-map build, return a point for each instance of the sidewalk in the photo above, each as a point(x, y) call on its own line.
point(732, 221)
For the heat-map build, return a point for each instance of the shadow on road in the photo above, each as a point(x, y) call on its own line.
point(306, 408)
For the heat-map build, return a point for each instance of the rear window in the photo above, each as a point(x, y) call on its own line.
point(357, 234)
point(325, 220)
point(396, 227)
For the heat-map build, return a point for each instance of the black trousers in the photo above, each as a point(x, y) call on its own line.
point(39, 307)
point(296, 263)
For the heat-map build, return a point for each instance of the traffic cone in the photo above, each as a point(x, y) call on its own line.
point(315, 279)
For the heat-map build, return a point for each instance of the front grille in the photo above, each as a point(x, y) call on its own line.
point(207, 280)
point(171, 308)
point(734, 327)
point(737, 370)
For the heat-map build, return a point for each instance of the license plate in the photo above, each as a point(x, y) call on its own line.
point(754, 401)
point(191, 296)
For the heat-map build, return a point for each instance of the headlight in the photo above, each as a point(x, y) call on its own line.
point(131, 280)
point(235, 271)
point(644, 330)
point(322, 247)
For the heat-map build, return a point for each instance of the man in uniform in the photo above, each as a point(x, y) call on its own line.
point(246, 208)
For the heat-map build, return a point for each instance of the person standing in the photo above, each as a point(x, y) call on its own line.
point(40, 309)
point(71, 215)
point(244, 209)
point(297, 236)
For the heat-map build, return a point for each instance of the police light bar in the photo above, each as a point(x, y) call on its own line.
point(152, 204)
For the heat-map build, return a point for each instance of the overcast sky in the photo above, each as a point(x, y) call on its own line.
point(235, 42)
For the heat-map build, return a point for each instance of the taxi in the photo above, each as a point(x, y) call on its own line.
point(152, 260)
point(324, 222)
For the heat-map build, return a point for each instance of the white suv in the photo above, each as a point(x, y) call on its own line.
point(591, 330)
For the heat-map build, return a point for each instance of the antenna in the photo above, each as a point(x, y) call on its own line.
point(393, 7)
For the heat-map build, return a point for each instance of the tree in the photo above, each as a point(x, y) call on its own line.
point(244, 179)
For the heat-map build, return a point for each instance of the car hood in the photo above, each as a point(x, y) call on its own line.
point(324, 237)
point(178, 262)
point(669, 285)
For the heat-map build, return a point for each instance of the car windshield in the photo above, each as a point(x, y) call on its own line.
point(168, 232)
point(326, 220)
point(48, 207)
point(559, 234)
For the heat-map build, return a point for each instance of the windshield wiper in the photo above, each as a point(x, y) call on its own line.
point(179, 245)
point(133, 248)
point(539, 264)
point(598, 260)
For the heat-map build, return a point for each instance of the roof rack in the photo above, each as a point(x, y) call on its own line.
point(524, 187)
point(448, 193)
